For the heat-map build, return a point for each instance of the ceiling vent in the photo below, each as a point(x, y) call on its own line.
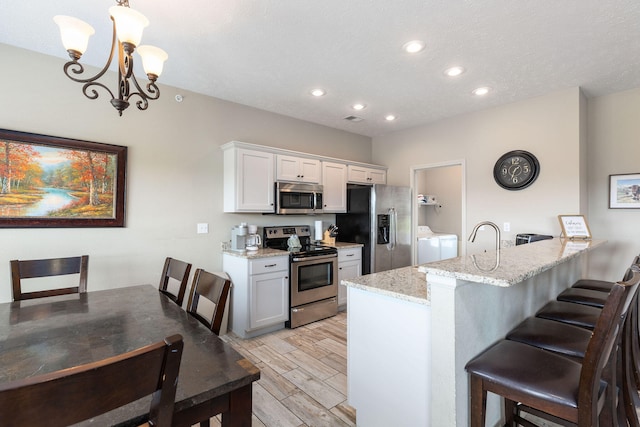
point(354, 118)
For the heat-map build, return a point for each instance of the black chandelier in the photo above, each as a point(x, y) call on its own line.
point(128, 25)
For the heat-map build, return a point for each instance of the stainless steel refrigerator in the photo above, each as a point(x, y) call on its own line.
point(379, 217)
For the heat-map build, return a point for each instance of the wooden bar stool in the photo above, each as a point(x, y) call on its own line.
point(550, 385)
point(572, 341)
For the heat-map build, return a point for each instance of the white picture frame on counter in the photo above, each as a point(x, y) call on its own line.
point(574, 227)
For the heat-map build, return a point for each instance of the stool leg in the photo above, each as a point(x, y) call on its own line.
point(628, 383)
point(509, 412)
point(478, 402)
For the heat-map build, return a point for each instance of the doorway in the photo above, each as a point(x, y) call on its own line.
point(446, 183)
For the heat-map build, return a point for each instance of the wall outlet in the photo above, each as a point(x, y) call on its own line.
point(203, 228)
point(506, 226)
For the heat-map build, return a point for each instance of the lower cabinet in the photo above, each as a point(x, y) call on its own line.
point(349, 266)
point(259, 295)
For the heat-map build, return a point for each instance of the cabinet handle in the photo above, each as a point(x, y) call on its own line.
point(269, 265)
point(350, 254)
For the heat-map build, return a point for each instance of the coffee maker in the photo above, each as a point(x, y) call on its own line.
point(239, 237)
point(253, 238)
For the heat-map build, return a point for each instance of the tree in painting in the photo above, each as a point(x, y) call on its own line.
point(37, 180)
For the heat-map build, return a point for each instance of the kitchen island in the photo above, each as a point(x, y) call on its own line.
point(409, 339)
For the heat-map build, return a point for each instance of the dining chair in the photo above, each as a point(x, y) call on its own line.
point(214, 288)
point(177, 270)
point(68, 396)
point(30, 269)
point(550, 385)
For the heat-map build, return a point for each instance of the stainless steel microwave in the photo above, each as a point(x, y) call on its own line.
point(298, 199)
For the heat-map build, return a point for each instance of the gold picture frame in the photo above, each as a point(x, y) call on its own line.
point(574, 227)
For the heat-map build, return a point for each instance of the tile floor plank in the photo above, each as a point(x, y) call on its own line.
point(312, 413)
point(303, 379)
point(326, 396)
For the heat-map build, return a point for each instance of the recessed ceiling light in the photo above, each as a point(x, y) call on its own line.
point(390, 117)
point(318, 92)
point(358, 107)
point(481, 91)
point(454, 71)
point(413, 46)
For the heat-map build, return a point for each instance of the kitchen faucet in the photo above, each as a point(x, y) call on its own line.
point(472, 237)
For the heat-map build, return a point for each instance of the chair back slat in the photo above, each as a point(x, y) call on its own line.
point(76, 394)
point(214, 288)
point(31, 269)
point(178, 270)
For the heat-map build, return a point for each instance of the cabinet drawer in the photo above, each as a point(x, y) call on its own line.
point(349, 254)
point(268, 265)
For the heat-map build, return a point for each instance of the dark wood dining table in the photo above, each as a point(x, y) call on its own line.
point(48, 334)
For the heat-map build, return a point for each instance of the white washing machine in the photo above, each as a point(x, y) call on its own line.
point(435, 246)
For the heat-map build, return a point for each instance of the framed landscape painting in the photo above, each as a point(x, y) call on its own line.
point(47, 181)
point(624, 191)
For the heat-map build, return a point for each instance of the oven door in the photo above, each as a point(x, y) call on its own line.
point(313, 279)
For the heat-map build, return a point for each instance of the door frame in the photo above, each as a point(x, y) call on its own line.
point(414, 205)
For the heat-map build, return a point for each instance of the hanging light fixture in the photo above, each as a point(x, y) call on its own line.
point(128, 25)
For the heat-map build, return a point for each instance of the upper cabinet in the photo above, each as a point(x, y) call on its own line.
point(334, 182)
point(297, 169)
point(251, 170)
point(248, 180)
point(365, 175)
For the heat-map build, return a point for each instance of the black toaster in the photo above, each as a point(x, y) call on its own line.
point(522, 239)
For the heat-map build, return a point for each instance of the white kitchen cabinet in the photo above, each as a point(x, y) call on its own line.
point(248, 180)
point(349, 266)
point(297, 169)
point(334, 182)
point(365, 175)
point(259, 295)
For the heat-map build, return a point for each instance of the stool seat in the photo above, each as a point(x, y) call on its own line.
point(573, 314)
point(588, 297)
point(568, 340)
point(596, 285)
point(529, 371)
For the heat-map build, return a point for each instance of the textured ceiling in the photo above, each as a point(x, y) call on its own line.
point(268, 54)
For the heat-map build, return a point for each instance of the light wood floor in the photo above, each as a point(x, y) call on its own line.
point(303, 375)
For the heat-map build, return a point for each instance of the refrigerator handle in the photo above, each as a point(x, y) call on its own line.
point(393, 229)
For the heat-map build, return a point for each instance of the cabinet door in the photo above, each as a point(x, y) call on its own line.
point(334, 182)
point(347, 270)
point(357, 174)
point(377, 176)
point(287, 168)
point(269, 299)
point(248, 181)
point(310, 170)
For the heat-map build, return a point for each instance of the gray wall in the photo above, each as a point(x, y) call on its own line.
point(546, 126)
point(613, 131)
point(174, 177)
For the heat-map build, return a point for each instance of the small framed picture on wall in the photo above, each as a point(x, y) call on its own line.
point(624, 191)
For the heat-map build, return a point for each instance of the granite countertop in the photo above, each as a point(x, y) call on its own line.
point(260, 253)
point(267, 252)
point(346, 245)
point(515, 264)
point(405, 283)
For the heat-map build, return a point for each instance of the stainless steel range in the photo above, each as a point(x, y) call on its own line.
point(313, 273)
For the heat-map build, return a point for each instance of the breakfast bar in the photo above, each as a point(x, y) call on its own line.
point(419, 334)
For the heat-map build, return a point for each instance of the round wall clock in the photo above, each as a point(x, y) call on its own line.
point(516, 170)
